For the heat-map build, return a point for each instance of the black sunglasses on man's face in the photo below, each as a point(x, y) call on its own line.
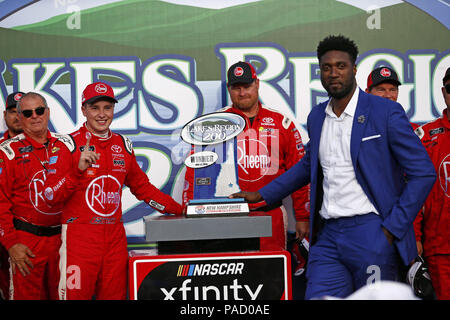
point(28, 113)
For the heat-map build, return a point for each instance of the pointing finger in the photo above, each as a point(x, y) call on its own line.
point(88, 141)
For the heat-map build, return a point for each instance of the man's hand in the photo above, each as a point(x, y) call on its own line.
point(419, 247)
point(302, 229)
point(250, 197)
point(20, 255)
point(87, 157)
point(389, 236)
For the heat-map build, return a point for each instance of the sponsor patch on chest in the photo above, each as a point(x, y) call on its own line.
point(118, 162)
point(432, 132)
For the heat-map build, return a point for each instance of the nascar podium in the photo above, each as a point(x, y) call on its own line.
point(212, 258)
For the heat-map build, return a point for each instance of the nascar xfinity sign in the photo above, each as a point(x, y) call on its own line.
point(237, 276)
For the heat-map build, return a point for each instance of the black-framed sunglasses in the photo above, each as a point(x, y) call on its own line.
point(447, 88)
point(28, 113)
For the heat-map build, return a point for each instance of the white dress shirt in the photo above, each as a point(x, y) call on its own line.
point(342, 194)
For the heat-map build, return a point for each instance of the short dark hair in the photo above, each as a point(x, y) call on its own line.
point(339, 43)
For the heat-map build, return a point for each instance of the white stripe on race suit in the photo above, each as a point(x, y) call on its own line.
point(62, 287)
point(11, 283)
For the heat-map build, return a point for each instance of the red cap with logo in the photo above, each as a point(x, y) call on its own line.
point(97, 91)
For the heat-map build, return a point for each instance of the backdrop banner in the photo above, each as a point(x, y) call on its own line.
point(167, 62)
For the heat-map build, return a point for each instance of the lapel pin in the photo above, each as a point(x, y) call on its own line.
point(361, 119)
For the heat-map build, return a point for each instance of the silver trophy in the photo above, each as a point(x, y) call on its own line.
point(213, 137)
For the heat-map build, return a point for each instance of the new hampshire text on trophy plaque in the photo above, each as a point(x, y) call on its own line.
point(213, 160)
point(217, 207)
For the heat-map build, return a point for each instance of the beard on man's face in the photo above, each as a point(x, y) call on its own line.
point(339, 92)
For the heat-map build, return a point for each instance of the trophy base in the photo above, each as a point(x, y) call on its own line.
point(180, 234)
point(208, 246)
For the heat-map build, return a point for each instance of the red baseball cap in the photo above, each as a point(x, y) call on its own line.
point(97, 91)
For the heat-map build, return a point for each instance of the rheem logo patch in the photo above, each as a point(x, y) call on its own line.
point(103, 203)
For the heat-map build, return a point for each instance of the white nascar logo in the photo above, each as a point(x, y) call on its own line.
point(201, 159)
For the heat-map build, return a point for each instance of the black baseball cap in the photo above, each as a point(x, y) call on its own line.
point(11, 100)
point(241, 72)
point(380, 75)
point(447, 75)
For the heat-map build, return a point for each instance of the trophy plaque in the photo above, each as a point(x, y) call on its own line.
point(217, 207)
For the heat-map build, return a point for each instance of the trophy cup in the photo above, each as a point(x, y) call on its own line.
point(213, 137)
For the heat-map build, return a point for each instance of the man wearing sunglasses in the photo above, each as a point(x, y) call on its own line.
point(88, 179)
point(432, 223)
point(29, 228)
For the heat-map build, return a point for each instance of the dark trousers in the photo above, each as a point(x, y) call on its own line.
point(349, 253)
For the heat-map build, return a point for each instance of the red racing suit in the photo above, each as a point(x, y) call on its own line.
point(23, 163)
point(267, 147)
point(432, 224)
point(5, 136)
point(4, 264)
point(94, 246)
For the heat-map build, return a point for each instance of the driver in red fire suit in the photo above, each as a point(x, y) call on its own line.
point(30, 229)
point(269, 145)
point(88, 178)
point(432, 224)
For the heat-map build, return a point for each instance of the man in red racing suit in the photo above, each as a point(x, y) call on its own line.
point(94, 246)
point(269, 145)
point(13, 129)
point(432, 224)
point(29, 228)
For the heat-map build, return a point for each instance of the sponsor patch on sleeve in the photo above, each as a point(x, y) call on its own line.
point(156, 205)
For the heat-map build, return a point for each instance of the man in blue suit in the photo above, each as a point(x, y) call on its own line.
point(369, 176)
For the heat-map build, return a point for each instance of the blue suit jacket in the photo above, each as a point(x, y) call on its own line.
point(390, 164)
